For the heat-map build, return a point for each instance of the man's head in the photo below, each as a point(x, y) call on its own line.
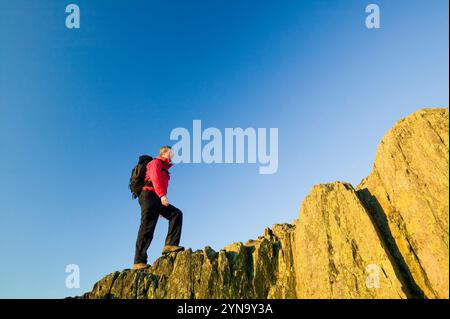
point(166, 152)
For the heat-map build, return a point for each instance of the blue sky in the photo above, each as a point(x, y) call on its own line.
point(77, 107)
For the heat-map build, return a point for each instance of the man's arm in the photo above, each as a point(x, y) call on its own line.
point(156, 178)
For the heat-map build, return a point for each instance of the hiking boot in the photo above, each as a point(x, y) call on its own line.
point(171, 249)
point(140, 266)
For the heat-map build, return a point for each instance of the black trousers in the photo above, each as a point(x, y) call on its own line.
point(151, 208)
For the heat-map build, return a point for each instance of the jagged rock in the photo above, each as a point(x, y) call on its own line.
point(394, 224)
point(408, 193)
point(257, 269)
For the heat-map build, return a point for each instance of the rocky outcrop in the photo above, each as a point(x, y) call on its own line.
point(386, 238)
point(261, 268)
point(340, 254)
point(408, 195)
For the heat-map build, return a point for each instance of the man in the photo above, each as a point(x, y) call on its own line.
point(154, 202)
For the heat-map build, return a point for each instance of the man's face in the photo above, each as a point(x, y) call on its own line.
point(168, 154)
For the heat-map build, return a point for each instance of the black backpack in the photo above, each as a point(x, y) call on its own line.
point(137, 179)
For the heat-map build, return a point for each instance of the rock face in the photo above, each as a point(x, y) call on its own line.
point(386, 238)
point(338, 248)
point(407, 192)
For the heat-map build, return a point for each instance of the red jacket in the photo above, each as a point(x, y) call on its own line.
point(158, 174)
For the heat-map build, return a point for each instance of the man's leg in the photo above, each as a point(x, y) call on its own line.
point(149, 218)
point(175, 217)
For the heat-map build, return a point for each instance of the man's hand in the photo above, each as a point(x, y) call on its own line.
point(164, 201)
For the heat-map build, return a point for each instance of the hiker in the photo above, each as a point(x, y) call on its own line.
point(153, 201)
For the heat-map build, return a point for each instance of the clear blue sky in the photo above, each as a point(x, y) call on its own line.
point(77, 107)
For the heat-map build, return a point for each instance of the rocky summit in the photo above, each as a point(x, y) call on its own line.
point(386, 238)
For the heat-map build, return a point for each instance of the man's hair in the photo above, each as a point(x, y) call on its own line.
point(164, 149)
